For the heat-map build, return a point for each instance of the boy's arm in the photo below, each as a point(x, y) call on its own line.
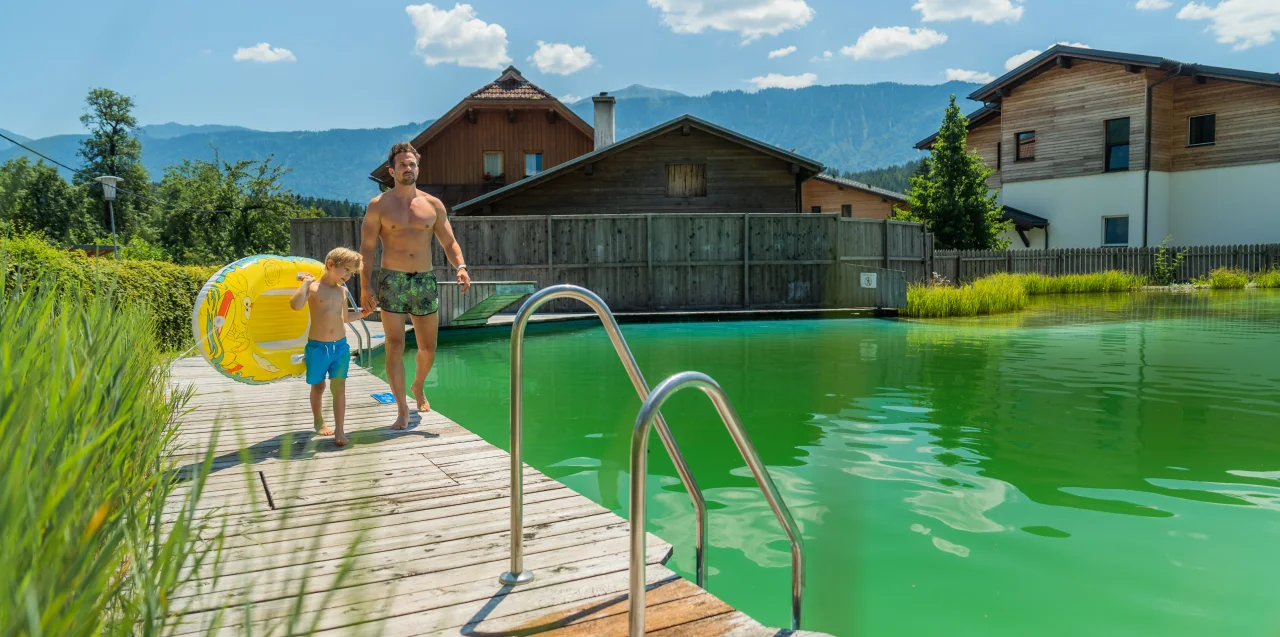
point(299, 298)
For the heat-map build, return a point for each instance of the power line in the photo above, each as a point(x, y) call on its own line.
point(118, 189)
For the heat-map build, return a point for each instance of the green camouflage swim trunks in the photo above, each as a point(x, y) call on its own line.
point(407, 292)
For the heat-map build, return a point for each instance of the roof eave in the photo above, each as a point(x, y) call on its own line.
point(985, 92)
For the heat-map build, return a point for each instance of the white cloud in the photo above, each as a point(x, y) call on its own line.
point(777, 80)
point(1154, 5)
point(1240, 23)
point(749, 18)
point(264, 53)
point(570, 98)
point(883, 43)
point(984, 11)
point(969, 76)
point(561, 59)
point(1030, 54)
point(781, 53)
point(825, 57)
point(457, 37)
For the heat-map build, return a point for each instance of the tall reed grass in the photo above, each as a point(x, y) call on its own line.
point(989, 295)
point(1228, 279)
point(98, 536)
point(1268, 279)
point(1109, 281)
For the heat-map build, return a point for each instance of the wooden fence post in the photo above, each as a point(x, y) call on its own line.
point(648, 239)
point(886, 244)
point(746, 260)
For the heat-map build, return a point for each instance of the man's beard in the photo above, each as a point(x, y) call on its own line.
point(406, 180)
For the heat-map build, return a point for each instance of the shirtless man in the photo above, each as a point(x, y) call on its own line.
point(405, 219)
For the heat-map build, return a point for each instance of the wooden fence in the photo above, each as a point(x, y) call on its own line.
point(963, 266)
point(667, 262)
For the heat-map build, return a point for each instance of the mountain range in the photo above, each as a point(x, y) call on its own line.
point(846, 127)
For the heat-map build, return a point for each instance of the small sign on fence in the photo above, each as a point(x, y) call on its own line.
point(868, 279)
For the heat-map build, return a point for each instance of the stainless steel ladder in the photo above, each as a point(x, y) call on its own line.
point(517, 573)
point(649, 417)
point(639, 470)
point(364, 355)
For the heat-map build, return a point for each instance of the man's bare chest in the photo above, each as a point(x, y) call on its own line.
point(418, 216)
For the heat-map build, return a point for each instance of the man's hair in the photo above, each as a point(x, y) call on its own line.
point(345, 257)
point(402, 147)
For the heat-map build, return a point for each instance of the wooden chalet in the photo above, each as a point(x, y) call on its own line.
point(507, 130)
point(850, 199)
point(686, 165)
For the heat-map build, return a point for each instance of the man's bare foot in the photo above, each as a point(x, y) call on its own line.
point(340, 439)
point(323, 429)
point(421, 397)
point(401, 422)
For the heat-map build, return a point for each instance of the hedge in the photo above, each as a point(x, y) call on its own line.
point(167, 291)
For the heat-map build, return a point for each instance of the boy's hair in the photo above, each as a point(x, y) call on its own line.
point(344, 256)
point(401, 147)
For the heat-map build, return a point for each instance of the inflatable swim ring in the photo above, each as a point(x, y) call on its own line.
point(242, 322)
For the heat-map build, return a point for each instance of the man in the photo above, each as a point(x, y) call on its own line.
point(405, 219)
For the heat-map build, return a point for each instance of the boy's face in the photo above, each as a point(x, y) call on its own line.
point(339, 273)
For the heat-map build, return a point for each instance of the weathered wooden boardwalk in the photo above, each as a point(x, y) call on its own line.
point(430, 507)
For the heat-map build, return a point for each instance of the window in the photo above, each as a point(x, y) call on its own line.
point(846, 210)
point(492, 165)
point(532, 163)
point(1117, 157)
point(999, 155)
point(1115, 231)
point(1026, 150)
point(1202, 130)
point(817, 210)
point(686, 180)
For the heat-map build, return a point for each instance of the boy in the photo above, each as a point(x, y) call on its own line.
point(327, 351)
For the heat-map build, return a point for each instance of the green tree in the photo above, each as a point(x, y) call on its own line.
point(34, 198)
point(949, 193)
point(222, 211)
point(113, 149)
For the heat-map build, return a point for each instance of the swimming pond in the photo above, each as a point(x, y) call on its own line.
point(1103, 465)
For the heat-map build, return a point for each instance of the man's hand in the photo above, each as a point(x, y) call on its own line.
point(366, 300)
point(464, 280)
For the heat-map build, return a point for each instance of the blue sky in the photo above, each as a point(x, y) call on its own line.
point(330, 64)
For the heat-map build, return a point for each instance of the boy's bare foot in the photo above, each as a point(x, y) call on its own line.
point(323, 429)
point(421, 397)
point(340, 439)
point(401, 422)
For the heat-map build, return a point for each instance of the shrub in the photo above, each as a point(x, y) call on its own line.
point(166, 291)
point(989, 295)
point(1268, 279)
point(1164, 269)
point(1109, 281)
point(1228, 279)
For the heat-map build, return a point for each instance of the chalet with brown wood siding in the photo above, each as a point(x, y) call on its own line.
point(1119, 149)
point(684, 165)
point(503, 132)
point(850, 199)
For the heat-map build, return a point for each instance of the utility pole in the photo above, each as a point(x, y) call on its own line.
point(109, 193)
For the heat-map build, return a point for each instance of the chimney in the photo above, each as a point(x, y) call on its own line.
point(604, 119)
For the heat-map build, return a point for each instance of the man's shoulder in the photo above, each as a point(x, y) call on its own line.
point(428, 198)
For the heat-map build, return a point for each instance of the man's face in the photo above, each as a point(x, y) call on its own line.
point(405, 171)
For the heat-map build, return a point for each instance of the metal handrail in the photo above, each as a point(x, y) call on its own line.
point(517, 574)
point(365, 354)
point(639, 442)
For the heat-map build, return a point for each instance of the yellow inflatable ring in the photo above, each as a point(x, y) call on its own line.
point(242, 322)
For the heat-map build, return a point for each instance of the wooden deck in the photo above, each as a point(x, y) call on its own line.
point(430, 507)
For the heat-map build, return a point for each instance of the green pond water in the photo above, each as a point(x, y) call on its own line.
point(1092, 466)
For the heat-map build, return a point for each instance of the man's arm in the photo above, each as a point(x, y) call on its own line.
point(368, 250)
point(452, 251)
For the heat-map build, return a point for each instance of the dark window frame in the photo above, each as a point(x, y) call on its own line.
point(1215, 130)
point(846, 210)
point(1017, 146)
point(1104, 230)
point(999, 155)
point(815, 210)
point(1107, 145)
point(541, 160)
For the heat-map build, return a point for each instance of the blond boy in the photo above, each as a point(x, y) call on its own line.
point(327, 352)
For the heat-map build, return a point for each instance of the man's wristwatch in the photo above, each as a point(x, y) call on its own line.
point(462, 267)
